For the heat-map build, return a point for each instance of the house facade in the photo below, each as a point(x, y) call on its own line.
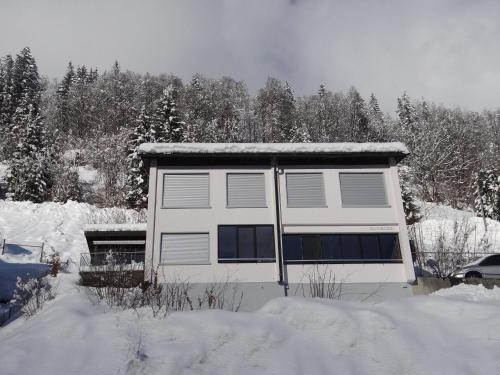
point(269, 216)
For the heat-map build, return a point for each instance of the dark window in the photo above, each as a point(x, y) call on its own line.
point(341, 248)
point(493, 260)
point(292, 247)
point(265, 242)
point(331, 246)
point(311, 247)
point(246, 243)
point(351, 246)
point(369, 244)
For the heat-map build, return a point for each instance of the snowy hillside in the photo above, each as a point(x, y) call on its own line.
point(457, 229)
point(59, 226)
point(447, 334)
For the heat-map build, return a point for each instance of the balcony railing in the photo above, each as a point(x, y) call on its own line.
point(112, 261)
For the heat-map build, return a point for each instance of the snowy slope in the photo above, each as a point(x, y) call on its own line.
point(456, 228)
point(419, 335)
point(59, 226)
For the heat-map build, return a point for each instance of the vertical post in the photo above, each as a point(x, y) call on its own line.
point(3, 246)
point(41, 252)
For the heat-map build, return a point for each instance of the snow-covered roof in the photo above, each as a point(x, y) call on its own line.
point(139, 227)
point(158, 149)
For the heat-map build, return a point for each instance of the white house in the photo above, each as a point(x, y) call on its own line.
point(270, 215)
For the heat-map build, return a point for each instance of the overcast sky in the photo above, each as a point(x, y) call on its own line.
point(446, 51)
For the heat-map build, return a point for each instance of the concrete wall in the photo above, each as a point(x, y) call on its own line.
point(333, 219)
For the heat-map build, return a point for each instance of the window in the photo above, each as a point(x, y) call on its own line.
point(185, 190)
point(493, 260)
point(305, 190)
point(184, 248)
point(363, 190)
point(246, 190)
point(341, 248)
point(246, 243)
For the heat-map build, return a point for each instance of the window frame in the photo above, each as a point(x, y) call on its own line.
point(361, 260)
point(165, 263)
point(164, 174)
point(245, 173)
point(246, 260)
point(386, 205)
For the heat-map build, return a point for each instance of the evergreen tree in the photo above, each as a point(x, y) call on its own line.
point(487, 193)
point(28, 179)
point(166, 125)
point(67, 81)
point(412, 212)
point(6, 93)
point(138, 176)
point(376, 119)
point(407, 113)
point(26, 81)
point(358, 119)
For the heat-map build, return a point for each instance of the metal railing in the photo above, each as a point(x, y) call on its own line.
point(21, 248)
point(112, 261)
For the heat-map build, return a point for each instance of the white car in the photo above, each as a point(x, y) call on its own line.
point(487, 267)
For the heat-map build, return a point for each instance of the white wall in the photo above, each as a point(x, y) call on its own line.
point(334, 218)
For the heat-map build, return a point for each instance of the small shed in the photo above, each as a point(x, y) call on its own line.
point(114, 248)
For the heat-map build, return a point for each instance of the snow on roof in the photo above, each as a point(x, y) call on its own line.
point(137, 227)
point(271, 148)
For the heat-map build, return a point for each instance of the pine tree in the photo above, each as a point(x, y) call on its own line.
point(358, 121)
point(26, 81)
point(487, 193)
point(166, 125)
point(411, 210)
point(376, 119)
point(407, 113)
point(67, 81)
point(28, 179)
point(138, 176)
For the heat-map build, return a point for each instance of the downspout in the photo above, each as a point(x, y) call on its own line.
point(277, 199)
point(153, 276)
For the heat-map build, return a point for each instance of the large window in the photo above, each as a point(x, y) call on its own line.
point(185, 190)
point(341, 248)
point(305, 190)
point(246, 190)
point(363, 190)
point(246, 243)
point(184, 248)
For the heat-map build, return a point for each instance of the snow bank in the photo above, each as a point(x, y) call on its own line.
point(272, 148)
point(419, 335)
point(470, 293)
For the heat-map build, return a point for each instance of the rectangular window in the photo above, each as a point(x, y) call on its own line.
point(305, 190)
point(184, 248)
point(246, 190)
point(185, 190)
point(341, 248)
point(246, 243)
point(363, 190)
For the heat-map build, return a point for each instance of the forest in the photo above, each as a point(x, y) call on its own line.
point(49, 128)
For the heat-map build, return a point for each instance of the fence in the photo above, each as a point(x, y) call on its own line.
point(24, 248)
point(112, 261)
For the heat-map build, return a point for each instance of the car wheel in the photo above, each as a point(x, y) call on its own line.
point(473, 275)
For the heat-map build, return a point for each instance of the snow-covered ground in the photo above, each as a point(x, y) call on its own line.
point(458, 229)
point(452, 332)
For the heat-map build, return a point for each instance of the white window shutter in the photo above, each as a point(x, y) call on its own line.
point(185, 248)
point(186, 190)
point(246, 190)
point(363, 190)
point(305, 190)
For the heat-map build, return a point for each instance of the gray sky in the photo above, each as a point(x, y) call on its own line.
point(446, 51)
